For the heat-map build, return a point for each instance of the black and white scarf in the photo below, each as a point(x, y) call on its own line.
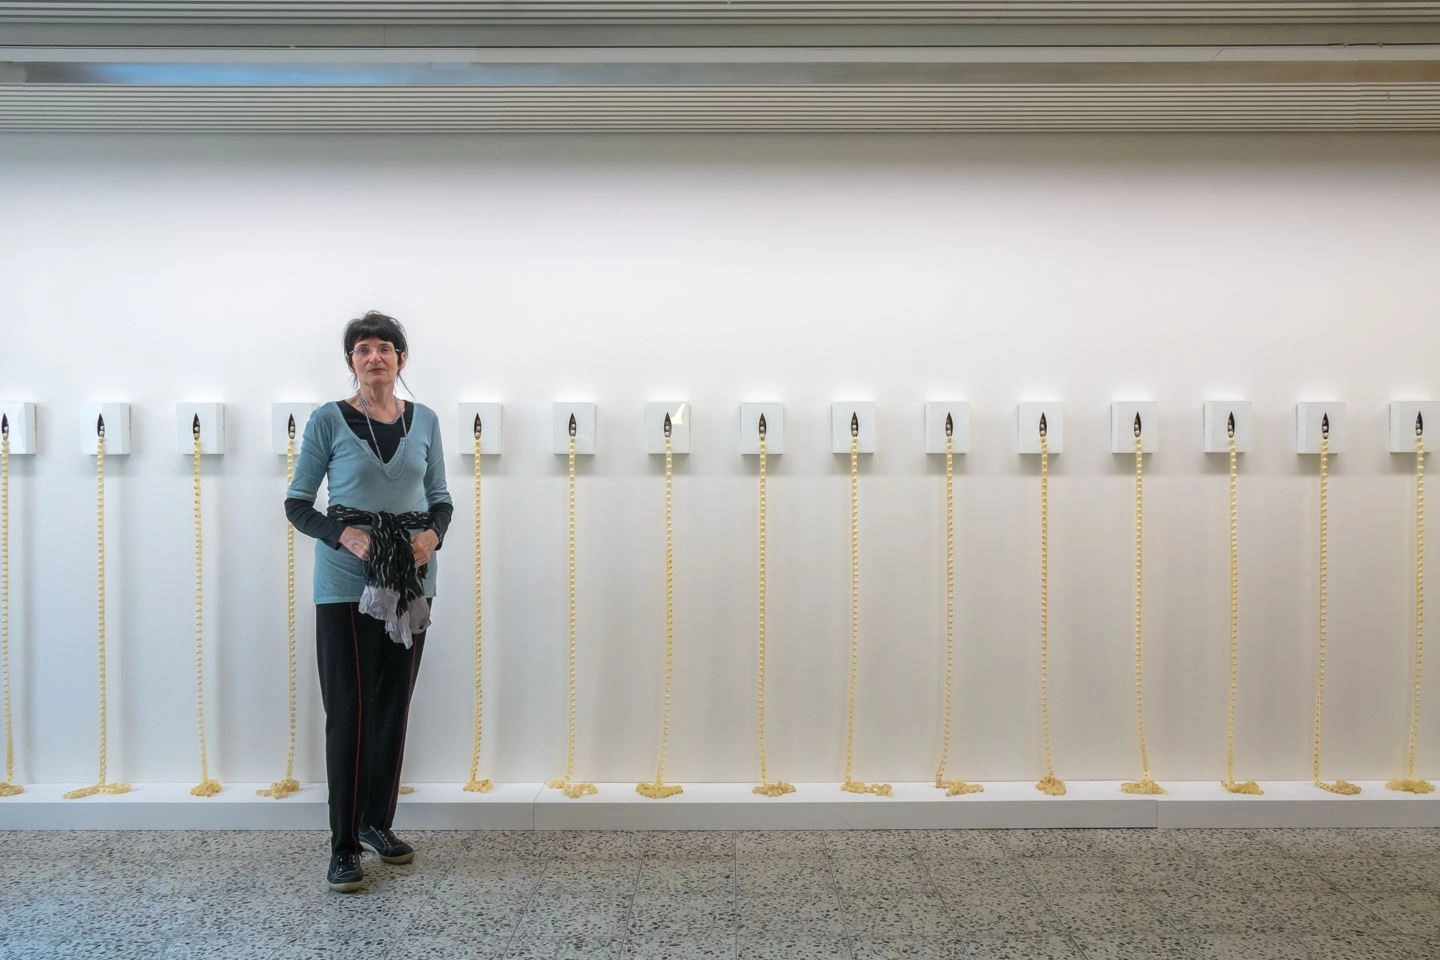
point(394, 586)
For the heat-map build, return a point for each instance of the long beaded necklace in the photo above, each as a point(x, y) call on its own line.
point(365, 409)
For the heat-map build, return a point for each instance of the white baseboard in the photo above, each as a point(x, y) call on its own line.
point(732, 806)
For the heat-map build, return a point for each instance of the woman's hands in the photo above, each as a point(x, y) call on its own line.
point(357, 541)
point(423, 545)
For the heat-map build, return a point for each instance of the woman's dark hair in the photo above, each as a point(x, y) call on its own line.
point(377, 325)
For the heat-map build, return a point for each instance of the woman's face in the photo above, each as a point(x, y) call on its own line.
point(376, 363)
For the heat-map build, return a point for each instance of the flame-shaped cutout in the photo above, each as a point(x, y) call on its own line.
point(477, 424)
point(100, 425)
point(1043, 428)
point(854, 425)
point(1230, 425)
point(1419, 424)
point(667, 426)
point(572, 424)
point(949, 425)
point(762, 424)
point(4, 424)
point(290, 426)
point(1325, 425)
point(195, 426)
point(1137, 424)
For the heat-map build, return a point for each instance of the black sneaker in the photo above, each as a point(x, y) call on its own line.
point(344, 874)
point(391, 848)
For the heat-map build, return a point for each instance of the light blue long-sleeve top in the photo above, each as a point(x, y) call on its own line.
point(412, 480)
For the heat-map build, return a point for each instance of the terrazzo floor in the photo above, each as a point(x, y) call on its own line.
point(1073, 894)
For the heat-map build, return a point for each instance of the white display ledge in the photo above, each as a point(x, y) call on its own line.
point(169, 806)
point(824, 806)
point(1294, 803)
point(732, 806)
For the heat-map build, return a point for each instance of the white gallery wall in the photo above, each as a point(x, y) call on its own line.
point(154, 270)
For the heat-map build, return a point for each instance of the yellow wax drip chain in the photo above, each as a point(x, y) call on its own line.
point(565, 784)
point(851, 785)
point(287, 785)
point(1049, 784)
point(1339, 786)
point(1146, 784)
point(766, 787)
point(1248, 786)
point(8, 788)
point(1410, 783)
point(659, 789)
point(207, 787)
point(101, 785)
point(475, 785)
point(952, 788)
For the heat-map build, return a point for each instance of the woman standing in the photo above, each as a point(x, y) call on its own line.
point(374, 580)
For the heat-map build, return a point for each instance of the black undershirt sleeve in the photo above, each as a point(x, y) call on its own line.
point(312, 522)
point(440, 516)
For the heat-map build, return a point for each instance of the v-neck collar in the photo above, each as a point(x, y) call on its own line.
point(396, 464)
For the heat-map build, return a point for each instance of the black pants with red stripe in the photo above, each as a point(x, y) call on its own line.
point(366, 681)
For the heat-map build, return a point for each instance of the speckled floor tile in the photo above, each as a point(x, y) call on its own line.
point(1268, 872)
point(615, 876)
point(1336, 893)
point(1243, 947)
point(1094, 842)
point(960, 844)
point(815, 914)
point(896, 915)
point(430, 948)
point(1311, 844)
point(1316, 913)
point(1374, 874)
point(681, 844)
point(97, 944)
point(574, 915)
point(792, 946)
point(905, 948)
point(466, 919)
point(1206, 911)
point(1404, 841)
point(1043, 947)
point(697, 875)
point(1058, 875)
point(1144, 872)
point(1209, 843)
point(881, 873)
point(595, 843)
point(1379, 947)
point(1135, 947)
point(695, 946)
point(1061, 843)
point(1414, 913)
point(782, 877)
point(750, 844)
point(981, 878)
point(992, 914)
point(329, 948)
point(563, 948)
point(473, 866)
point(869, 843)
point(252, 948)
point(1105, 913)
point(683, 914)
point(478, 888)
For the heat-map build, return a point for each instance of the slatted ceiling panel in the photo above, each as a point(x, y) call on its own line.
point(1039, 108)
point(520, 12)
